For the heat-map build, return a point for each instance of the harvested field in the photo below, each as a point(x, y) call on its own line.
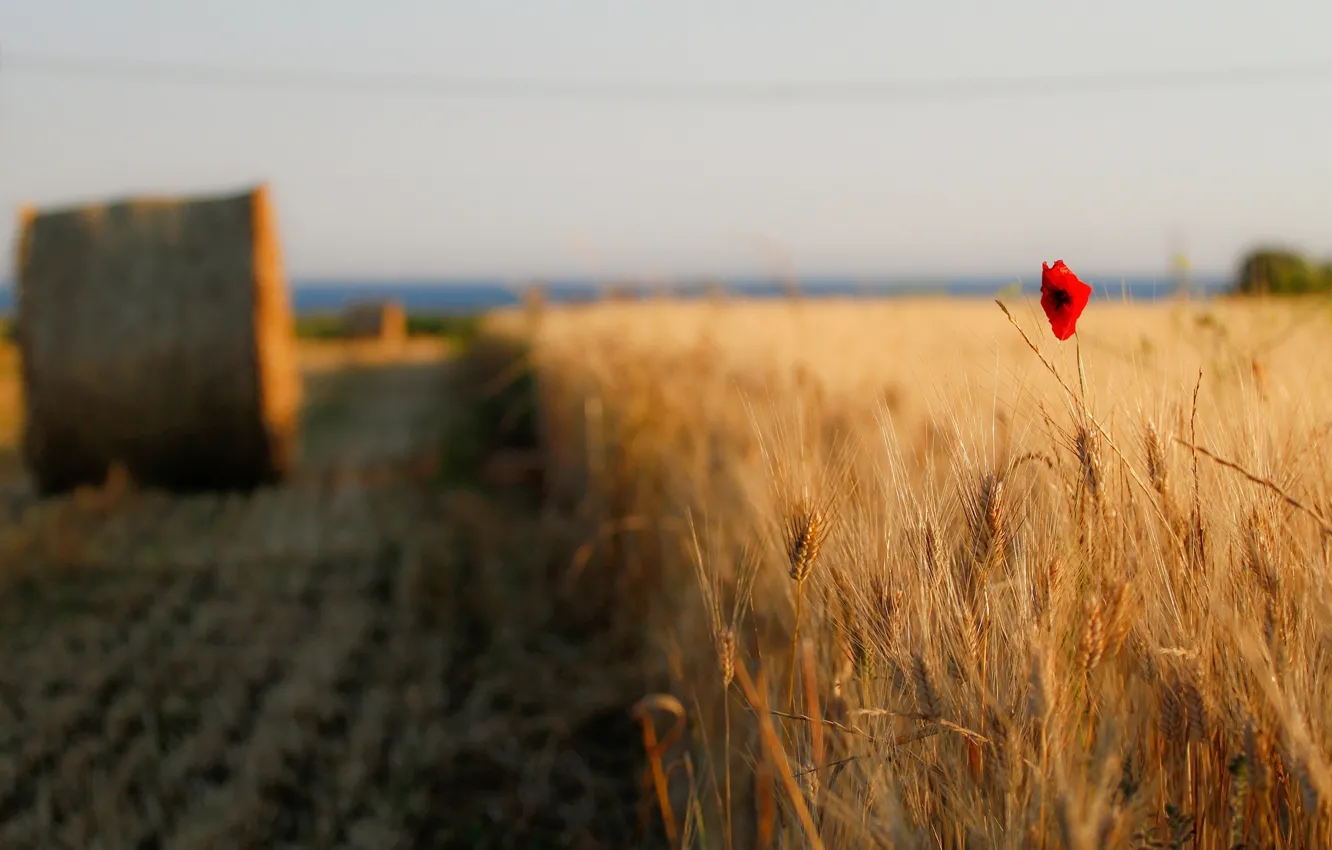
point(360, 658)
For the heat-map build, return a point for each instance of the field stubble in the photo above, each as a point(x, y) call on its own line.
point(943, 602)
point(356, 659)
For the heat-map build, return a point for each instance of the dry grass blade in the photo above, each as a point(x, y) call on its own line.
point(1262, 482)
point(824, 721)
point(919, 734)
point(772, 745)
point(656, 748)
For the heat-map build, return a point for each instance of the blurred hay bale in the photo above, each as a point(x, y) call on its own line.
point(157, 334)
point(383, 321)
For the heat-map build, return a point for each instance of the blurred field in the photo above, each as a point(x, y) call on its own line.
point(910, 590)
point(363, 657)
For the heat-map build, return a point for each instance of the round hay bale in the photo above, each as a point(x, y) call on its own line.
point(157, 334)
point(379, 321)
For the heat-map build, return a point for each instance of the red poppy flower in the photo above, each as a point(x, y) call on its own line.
point(1063, 298)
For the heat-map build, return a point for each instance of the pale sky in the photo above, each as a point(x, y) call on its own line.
point(369, 184)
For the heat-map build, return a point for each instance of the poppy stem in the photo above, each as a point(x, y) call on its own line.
point(1082, 374)
point(1092, 423)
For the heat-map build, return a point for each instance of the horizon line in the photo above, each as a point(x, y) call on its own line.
point(900, 278)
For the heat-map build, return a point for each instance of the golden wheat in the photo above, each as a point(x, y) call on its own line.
point(1042, 652)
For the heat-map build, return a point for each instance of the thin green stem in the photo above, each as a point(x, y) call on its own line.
point(1082, 374)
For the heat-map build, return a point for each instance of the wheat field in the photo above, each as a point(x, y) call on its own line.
point(914, 575)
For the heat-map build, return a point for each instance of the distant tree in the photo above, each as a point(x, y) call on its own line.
point(1278, 271)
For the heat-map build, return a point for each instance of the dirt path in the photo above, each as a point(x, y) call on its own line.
point(348, 661)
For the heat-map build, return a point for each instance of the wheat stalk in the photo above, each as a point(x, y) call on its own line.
point(806, 528)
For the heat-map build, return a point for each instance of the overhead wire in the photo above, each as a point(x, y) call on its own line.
point(517, 88)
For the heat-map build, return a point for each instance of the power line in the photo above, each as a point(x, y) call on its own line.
point(847, 92)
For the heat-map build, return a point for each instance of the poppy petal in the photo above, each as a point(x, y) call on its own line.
point(1063, 298)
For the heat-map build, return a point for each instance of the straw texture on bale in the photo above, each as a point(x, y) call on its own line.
point(156, 334)
point(385, 321)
